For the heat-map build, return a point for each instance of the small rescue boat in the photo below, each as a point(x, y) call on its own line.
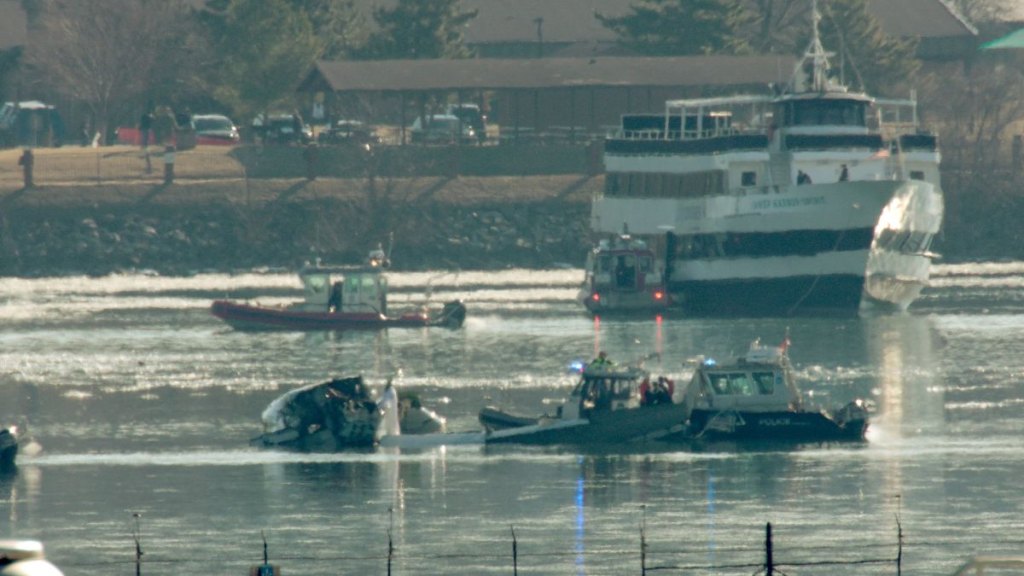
point(609, 405)
point(756, 398)
point(339, 298)
point(624, 276)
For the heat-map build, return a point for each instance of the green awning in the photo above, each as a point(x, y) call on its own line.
point(1012, 40)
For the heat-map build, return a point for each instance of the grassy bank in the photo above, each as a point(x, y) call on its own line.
point(213, 218)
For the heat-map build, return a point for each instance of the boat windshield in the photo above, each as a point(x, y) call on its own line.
point(607, 388)
point(761, 383)
point(316, 283)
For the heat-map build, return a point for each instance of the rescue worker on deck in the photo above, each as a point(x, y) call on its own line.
point(601, 362)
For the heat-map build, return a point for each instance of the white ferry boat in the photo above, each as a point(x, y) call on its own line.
point(816, 199)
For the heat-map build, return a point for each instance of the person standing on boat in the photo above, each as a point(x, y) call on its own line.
point(844, 174)
point(602, 362)
point(388, 405)
point(334, 303)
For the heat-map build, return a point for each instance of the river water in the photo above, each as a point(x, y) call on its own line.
point(143, 405)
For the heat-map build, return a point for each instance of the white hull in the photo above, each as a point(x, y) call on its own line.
point(812, 247)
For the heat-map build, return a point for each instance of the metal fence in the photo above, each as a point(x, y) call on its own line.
point(132, 164)
point(514, 557)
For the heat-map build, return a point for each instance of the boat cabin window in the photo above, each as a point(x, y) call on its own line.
point(600, 392)
point(824, 113)
point(646, 264)
point(625, 271)
point(316, 283)
point(765, 382)
point(742, 383)
point(917, 175)
point(748, 179)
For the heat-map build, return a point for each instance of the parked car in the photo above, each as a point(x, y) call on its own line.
point(441, 129)
point(215, 129)
point(282, 129)
point(349, 132)
point(471, 114)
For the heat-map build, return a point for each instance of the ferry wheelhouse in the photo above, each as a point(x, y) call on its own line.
point(815, 199)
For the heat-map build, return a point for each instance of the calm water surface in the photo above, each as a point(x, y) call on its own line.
point(144, 403)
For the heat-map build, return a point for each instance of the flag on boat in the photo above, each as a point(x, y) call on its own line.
point(784, 347)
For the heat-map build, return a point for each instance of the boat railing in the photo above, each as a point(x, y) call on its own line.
point(684, 134)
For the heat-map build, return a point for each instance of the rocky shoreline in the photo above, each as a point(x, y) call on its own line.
point(190, 227)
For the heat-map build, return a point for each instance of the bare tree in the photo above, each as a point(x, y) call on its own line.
point(976, 111)
point(113, 54)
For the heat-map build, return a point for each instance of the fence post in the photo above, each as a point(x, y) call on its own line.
point(515, 552)
point(27, 162)
point(169, 164)
point(643, 552)
point(310, 156)
point(899, 547)
point(1017, 153)
point(137, 536)
point(391, 545)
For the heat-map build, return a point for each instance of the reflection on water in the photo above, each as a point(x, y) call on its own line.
point(902, 350)
point(144, 402)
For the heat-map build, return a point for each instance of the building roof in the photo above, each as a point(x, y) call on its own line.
point(920, 19)
point(13, 24)
point(1013, 40)
point(484, 74)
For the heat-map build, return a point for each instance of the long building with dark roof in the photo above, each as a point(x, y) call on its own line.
point(575, 95)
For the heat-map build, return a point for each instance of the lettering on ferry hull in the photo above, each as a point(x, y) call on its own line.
point(776, 203)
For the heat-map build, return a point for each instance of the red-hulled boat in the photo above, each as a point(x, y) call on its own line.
point(339, 298)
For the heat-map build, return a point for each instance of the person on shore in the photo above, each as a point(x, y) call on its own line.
point(145, 125)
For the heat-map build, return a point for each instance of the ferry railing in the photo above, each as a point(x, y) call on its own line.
point(682, 134)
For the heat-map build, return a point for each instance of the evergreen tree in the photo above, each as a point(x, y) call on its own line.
point(678, 27)
point(419, 29)
point(880, 64)
point(773, 26)
point(338, 25)
point(266, 46)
